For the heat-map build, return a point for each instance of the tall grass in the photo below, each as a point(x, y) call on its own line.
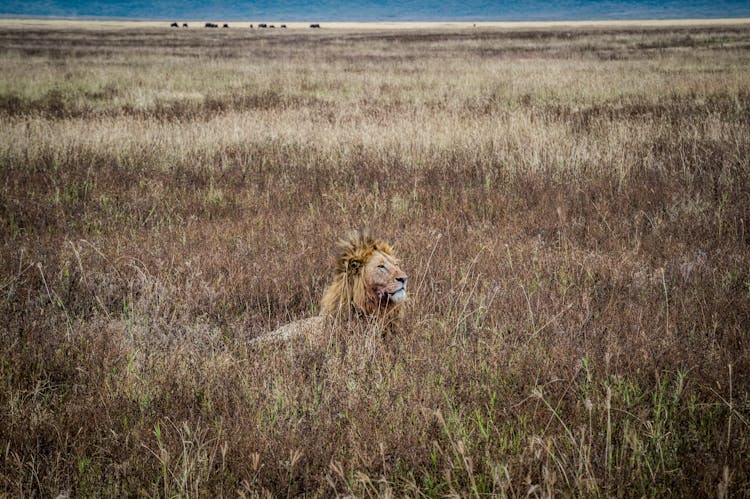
point(570, 205)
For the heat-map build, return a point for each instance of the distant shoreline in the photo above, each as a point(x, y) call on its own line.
point(375, 25)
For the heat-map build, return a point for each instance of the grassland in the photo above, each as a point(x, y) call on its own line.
point(571, 206)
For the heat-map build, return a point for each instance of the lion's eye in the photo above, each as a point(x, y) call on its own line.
point(381, 266)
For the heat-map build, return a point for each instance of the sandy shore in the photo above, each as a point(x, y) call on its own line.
point(120, 24)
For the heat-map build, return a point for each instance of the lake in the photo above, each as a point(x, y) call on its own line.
point(381, 10)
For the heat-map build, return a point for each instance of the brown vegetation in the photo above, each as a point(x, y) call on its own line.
point(571, 205)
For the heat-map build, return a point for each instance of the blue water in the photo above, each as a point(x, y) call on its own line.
point(380, 10)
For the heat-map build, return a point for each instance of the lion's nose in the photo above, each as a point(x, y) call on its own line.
point(402, 279)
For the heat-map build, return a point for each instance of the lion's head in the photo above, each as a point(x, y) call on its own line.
point(367, 281)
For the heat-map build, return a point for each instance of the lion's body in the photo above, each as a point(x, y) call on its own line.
point(368, 283)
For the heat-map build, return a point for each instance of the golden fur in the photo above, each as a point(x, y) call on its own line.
point(367, 283)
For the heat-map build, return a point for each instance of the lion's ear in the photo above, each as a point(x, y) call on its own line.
point(384, 247)
point(354, 264)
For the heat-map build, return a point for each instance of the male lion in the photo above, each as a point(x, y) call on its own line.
point(367, 284)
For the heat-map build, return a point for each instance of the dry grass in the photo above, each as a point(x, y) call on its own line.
point(571, 206)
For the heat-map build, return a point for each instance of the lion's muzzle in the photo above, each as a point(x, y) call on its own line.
point(400, 294)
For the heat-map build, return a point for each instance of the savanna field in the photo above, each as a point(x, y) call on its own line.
point(572, 207)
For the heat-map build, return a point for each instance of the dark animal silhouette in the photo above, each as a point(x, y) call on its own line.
point(184, 25)
point(225, 26)
point(262, 25)
point(283, 26)
point(315, 25)
point(251, 26)
point(174, 25)
point(211, 25)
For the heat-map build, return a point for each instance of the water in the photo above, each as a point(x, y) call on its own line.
point(380, 10)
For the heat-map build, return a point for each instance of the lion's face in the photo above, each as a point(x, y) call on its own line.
point(384, 278)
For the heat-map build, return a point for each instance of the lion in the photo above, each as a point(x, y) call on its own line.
point(368, 284)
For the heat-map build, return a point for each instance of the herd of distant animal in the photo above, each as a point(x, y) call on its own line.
point(261, 25)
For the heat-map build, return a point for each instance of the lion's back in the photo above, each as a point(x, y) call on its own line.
point(303, 328)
